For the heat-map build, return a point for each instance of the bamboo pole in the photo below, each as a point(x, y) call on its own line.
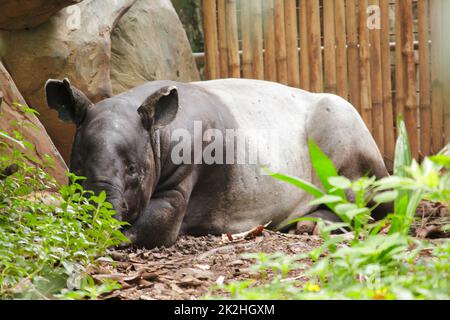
point(424, 78)
point(353, 54)
point(223, 44)
point(410, 75)
point(364, 68)
point(210, 33)
point(437, 113)
point(234, 64)
point(388, 115)
point(304, 60)
point(280, 42)
point(247, 45)
point(341, 50)
point(376, 85)
point(446, 66)
point(399, 74)
point(314, 45)
point(329, 37)
point(257, 39)
point(290, 18)
point(270, 67)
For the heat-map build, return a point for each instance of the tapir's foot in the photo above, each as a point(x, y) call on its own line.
point(143, 236)
point(131, 239)
point(311, 227)
point(306, 227)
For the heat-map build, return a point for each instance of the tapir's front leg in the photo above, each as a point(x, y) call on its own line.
point(160, 223)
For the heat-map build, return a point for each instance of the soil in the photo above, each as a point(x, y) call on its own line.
point(189, 269)
point(433, 216)
point(194, 265)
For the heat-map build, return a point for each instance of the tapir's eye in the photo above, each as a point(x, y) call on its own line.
point(132, 169)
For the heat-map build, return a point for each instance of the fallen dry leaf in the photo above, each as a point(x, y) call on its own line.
point(203, 266)
point(188, 281)
point(149, 276)
point(255, 232)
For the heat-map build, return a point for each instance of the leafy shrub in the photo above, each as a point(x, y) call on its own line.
point(48, 240)
point(380, 261)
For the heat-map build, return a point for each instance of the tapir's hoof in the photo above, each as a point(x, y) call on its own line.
point(316, 230)
point(131, 239)
point(124, 245)
point(305, 227)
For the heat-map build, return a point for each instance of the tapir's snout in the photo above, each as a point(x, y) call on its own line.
point(121, 208)
point(114, 195)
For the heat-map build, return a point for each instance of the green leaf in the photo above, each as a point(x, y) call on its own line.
point(29, 146)
point(302, 184)
point(411, 210)
point(8, 137)
point(324, 168)
point(385, 197)
point(342, 210)
point(392, 182)
point(326, 199)
point(400, 206)
point(340, 182)
point(441, 159)
point(351, 214)
point(345, 207)
point(335, 226)
point(402, 157)
point(102, 197)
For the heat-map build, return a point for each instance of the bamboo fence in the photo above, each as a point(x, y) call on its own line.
point(386, 57)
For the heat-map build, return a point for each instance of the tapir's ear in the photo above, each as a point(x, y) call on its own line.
point(160, 108)
point(71, 103)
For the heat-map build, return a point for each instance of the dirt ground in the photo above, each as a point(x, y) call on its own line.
point(194, 265)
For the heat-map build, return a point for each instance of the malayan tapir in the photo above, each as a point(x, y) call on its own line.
point(125, 146)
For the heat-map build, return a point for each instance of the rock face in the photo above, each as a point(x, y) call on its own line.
point(23, 14)
point(148, 42)
point(73, 43)
point(33, 131)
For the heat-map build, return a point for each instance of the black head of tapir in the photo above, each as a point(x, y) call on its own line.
point(114, 145)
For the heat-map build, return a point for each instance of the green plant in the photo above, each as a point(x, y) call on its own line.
point(372, 264)
point(380, 267)
point(88, 289)
point(49, 239)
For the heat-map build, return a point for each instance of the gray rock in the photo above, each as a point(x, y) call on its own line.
point(23, 14)
point(74, 43)
point(149, 43)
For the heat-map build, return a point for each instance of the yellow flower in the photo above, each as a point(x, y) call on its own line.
point(312, 287)
point(380, 294)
